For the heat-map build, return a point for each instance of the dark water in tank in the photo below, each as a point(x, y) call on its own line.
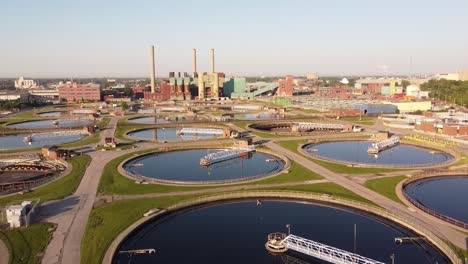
point(236, 233)
point(62, 123)
point(148, 120)
point(51, 114)
point(185, 166)
point(167, 133)
point(356, 152)
point(447, 195)
point(254, 116)
point(17, 141)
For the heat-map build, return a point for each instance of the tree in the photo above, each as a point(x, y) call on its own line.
point(124, 105)
point(405, 83)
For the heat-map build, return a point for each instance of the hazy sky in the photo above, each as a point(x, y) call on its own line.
point(44, 38)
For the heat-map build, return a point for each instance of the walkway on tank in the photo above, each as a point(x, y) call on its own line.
point(279, 242)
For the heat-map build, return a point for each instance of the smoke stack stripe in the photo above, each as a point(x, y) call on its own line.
point(153, 73)
point(194, 61)
point(212, 61)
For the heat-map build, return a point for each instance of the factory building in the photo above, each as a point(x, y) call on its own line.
point(203, 85)
point(458, 76)
point(22, 83)
point(74, 92)
point(376, 109)
point(286, 86)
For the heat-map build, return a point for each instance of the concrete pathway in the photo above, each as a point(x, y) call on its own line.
point(4, 255)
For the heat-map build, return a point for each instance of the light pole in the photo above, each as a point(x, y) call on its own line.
point(288, 226)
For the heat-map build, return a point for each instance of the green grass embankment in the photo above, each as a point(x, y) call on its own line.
point(385, 186)
point(27, 244)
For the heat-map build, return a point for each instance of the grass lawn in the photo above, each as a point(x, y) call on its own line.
point(94, 138)
point(462, 161)
point(271, 135)
point(326, 188)
point(308, 111)
point(58, 189)
point(364, 120)
point(27, 244)
point(107, 221)
point(335, 167)
point(386, 186)
point(121, 131)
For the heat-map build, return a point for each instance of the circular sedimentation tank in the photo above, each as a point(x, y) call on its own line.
point(298, 127)
point(183, 167)
point(355, 152)
point(51, 114)
point(57, 123)
point(236, 231)
point(254, 116)
point(445, 195)
point(166, 134)
point(148, 120)
point(18, 141)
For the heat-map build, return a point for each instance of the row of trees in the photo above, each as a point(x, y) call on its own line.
point(450, 91)
point(19, 103)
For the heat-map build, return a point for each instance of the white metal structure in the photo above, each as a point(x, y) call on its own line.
point(28, 158)
point(199, 131)
point(325, 252)
point(225, 155)
point(384, 144)
point(319, 126)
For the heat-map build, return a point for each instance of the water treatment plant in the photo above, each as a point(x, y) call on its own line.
point(243, 178)
point(236, 132)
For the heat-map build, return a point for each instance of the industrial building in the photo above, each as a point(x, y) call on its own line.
point(376, 109)
point(204, 85)
point(22, 83)
point(74, 92)
point(458, 76)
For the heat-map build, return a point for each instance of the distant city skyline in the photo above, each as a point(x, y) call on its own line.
point(81, 39)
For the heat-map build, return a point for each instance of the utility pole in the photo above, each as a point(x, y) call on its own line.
point(355, 229)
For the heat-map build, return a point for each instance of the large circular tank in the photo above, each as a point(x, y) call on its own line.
point(60, 123)
point(235, 232)
point(184, 167)
point(166, 134)
point(446, 196)
point(355, 152)
point(18, 141)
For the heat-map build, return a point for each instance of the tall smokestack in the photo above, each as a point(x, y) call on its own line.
point(212, 60)
point(152, 69)
point(194, 62)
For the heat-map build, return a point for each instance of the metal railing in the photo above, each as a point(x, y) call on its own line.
point(428, 210)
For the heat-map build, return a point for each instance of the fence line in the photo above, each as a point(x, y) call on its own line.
point(428, 210)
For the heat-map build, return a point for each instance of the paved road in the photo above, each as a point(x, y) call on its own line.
point(4, 256)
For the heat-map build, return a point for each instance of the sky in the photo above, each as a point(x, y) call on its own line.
point(111, 38)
